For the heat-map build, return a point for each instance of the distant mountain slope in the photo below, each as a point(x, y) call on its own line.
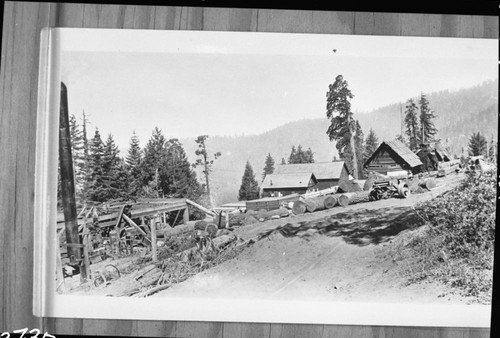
point(229, 168)
point(459, 114)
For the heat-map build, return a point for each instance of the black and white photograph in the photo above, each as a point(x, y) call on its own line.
point(237, 176)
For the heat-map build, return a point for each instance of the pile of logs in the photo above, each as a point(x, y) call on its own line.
point(329, 201)
point(251, 216)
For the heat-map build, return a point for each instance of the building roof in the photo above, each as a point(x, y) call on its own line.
point(441, 151)
point(321, 170)
point(401, 150)
point(277, 181)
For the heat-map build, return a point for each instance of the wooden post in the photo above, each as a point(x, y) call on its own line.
point(68, 182)
point(59, 273)
point(153, 239)
point(86, 259)
point(227, 219)
point(185, 216)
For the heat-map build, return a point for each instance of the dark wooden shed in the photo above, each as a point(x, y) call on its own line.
point(392, 157)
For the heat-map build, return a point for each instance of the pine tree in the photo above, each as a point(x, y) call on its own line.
point(206, 163)
point(77, 145)
point(283, 160)
point(411, 123)
point(427, 128)
point(293, 155)
point(269, 166)
point(115, 177)
point(477, 145)
point(342, 125)
point(309, 156)
point(249, 189)
point(177, 178)
point(371, 144)
point(298, 155)
point(133, 165)
point(492, 150)
point(154, 151)
point(95, 178)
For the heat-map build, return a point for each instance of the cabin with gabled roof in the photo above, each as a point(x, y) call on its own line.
point(328, 174)
point(276, 185)
point(392, 158)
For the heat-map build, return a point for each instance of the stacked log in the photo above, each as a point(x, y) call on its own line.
point(311, 204)
point(347, 186)
point(354, 197)
point(299, 207)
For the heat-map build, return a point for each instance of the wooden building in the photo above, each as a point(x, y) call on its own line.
point(328, 174)
point(276, 185)
point(392, 158)
point(431, 155)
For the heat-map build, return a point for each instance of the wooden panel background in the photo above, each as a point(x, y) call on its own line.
point(18, 89)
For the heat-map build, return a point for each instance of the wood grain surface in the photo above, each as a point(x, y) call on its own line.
point(22, 23)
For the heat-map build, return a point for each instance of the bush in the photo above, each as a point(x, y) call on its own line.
point(456, 245)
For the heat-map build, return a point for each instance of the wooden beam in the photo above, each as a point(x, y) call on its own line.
point(196, 205)
point(132, 223)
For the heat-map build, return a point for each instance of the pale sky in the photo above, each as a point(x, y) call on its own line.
point(227, 83)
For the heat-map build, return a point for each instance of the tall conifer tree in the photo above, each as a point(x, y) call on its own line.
point(249, 189)
point(427, 128)
point(268, 166)
point(342, 127)
point(412, 126)
point(133, 165)
point(371, 144)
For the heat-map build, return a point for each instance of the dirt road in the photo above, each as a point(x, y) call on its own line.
point(339, 254)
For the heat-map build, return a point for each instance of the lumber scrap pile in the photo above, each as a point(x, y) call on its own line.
point(181, 254)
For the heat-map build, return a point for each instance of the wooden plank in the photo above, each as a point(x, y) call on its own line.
point(229, 19)
point(333, 22)
point(22, 23)
point(291, 21)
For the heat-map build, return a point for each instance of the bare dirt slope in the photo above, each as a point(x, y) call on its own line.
point(341, 254)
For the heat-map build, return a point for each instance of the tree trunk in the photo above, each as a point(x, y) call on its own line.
point(354, 197)
point(68, 181)
point(299, 207)
point(311, 205)
point(353, 147)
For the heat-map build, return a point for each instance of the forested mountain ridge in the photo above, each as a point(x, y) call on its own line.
point(458, 113)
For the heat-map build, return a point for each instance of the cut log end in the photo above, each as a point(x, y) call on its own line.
point(299, 207)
